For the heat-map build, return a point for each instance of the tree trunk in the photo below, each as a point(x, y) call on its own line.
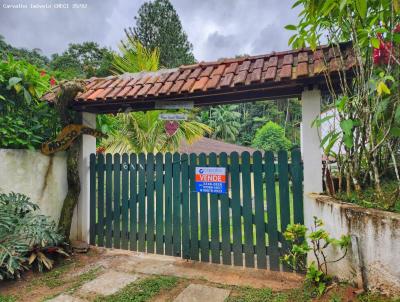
point(74, 189)
point(65, 95)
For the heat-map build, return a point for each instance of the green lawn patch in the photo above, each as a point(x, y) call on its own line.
point(248, 294)
point(7, 298)
point(142, 291)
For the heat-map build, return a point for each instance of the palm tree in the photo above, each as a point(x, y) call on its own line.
point(144, 131)
point(135, 58)
point(225, 120)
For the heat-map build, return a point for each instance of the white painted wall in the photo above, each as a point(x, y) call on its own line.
point(375, 243)
point(43, 178)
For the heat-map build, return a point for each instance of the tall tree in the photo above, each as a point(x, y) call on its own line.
point(158, 26)
point(83, 60)
point(33, 56)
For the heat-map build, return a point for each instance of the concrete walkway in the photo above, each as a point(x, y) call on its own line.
point(120, 268)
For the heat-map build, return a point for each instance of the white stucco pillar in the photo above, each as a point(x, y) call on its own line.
point(310, 142)
point(81, 219)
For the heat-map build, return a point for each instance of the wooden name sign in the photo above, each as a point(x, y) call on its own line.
point(66, 137)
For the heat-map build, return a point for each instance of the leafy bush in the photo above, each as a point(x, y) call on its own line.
point(27, 238)
point(271, 137)
point(317, 240)
point(25, 121)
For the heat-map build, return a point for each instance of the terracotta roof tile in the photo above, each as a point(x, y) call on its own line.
point(115, 83)
point(318, 54)
point(231, 68)
point(188, 85)
point(94, 94)
point(195, 73)
point(319, 66)
point(123, 83)
point(213, 82)
point(173, 76)
point(302, 69)
point(240, 78)
point(132, 82)
point(142, 80)
point(152, 79)
point(244, 66)
point(144, 90)
point(255, 76)
point(105, 92)
point(93, 83)
point(206, 72)
point(273, 61)
point(134, 91)
point(166, 87)
point(200, 83)
point(219, 70)
point(100, 84)
point(286, 72)
point(154, 90)
point(114, 92)
point(123, 92)
point(177, 86)
point(86, 94)
point(288, 60)
point(266, 69)
point(258, 64)
point(163, 77)
point(302, 57)
point(185, 74)
point(227, 80)
point(270, 74)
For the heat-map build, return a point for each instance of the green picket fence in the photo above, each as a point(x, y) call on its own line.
point(148, 203)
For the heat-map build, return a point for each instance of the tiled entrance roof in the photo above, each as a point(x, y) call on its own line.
point(288, 71)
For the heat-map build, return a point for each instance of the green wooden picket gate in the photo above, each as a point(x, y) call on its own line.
point(148, 203)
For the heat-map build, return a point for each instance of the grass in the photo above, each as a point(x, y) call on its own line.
point(52, 278)
point(7, 298)
point(368, 199)
point(248, 294)
point(142, 291)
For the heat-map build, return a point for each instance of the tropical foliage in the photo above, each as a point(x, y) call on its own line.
point(158, 27)
point(27, 238)
point(144, 132)
point(368, 106)
point(239, 123)
point(316, 240)
point(135, 57)
point(25, 121)
point(271, 137)
point(83, 60)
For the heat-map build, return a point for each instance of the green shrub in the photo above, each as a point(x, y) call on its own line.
point(271, 137)
point(25, 120)
point(27, 238)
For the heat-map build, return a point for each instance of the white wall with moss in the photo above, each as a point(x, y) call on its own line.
point(42, 178)
point(373, 257)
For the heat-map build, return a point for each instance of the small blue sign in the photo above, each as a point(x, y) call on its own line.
point(210, 180)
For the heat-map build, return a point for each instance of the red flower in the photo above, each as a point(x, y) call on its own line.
point(52, 81)
point(381, 55)
point(397, 29)
point(42, 73)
